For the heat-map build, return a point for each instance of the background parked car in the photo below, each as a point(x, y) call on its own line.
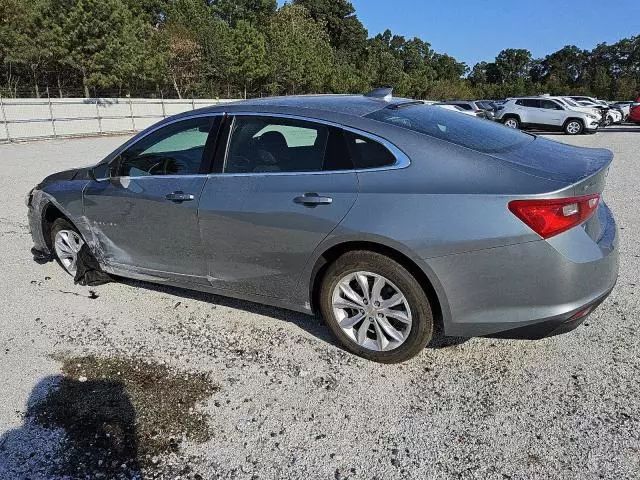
point(545, 114)
point(625, 108)
point(634, 115)
point(572, 105)
point(604, 107)
point(471, 106)
point(456, 108)
point(609, 113)
point(489, 106)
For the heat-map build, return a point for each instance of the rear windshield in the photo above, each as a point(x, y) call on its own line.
point(467, 131)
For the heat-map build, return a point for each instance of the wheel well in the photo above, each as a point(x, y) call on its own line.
point(51, 214)
point(510, 115)
point(329, 256)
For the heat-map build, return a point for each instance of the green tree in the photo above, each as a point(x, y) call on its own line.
point(448, 67)
point(101, 39)
point(478, 75)
point(253, 12)
point(383, 67)
point(347, 78)
point(249, 56)
point(566, 67)
point(24, 41)
point(299, 53)
point(346, 33)
point(180, 64)
point(513, 64)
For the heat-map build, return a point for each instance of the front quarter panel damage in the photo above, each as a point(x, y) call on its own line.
point(66, 197)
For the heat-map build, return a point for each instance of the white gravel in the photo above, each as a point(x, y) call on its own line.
point(291, 404)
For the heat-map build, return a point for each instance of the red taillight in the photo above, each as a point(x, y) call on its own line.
point(551, 217)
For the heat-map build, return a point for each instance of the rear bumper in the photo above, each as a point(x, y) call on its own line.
point(528, 290)
point(553, 326)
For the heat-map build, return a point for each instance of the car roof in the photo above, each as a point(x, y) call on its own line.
point(353, 105)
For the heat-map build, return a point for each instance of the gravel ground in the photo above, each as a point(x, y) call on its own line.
point(282, 400)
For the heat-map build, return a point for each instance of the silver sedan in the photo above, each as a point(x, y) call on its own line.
point(397, 221)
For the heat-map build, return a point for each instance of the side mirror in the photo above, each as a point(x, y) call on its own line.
point(99, 173)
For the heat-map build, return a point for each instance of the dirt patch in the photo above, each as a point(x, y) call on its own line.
point(120, 414)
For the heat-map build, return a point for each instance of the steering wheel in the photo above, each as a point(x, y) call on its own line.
point(168, 166)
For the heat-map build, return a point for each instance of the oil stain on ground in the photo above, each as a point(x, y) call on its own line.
point(120, 414)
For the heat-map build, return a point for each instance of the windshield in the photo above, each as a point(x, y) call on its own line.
point(464, 130)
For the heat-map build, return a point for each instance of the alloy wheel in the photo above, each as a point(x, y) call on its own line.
point(573, 128)
point(511, 123)
point(371, 311)
point(67, 244)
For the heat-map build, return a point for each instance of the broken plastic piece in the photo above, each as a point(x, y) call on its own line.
point(89, 272)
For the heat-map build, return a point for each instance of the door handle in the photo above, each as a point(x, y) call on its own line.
point(312, 200)
point(179, 197)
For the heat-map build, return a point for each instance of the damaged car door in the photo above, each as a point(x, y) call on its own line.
point(144, 215)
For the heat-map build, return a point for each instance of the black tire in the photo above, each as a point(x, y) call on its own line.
point(514, 119)
point(57, 225)
point(422, 325)
point(571, 123)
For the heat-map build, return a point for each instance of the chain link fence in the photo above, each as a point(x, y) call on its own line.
point(30, 119)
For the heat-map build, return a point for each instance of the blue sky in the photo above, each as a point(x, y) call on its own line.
point(476, 30)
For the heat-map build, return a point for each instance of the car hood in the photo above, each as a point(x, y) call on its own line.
point(65, 175)
point(557, 161)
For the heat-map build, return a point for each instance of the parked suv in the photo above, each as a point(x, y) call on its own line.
point(545, 114)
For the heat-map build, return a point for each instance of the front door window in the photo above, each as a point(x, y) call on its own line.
point(175, 149)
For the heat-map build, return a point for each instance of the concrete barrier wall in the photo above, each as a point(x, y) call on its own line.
point(30, 118)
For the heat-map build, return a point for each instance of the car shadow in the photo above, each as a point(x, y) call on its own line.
point(620, 129)
point(312, 324)
point(73, 429)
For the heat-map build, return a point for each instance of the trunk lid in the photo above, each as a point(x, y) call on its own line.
point(558, 161)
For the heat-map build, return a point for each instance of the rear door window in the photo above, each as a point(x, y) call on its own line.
point(549, 105)
point(263, 144)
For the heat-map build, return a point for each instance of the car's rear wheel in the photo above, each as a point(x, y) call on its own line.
point(512, 122)
point(66, 242)
point(375, 307)
point(573, 127)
